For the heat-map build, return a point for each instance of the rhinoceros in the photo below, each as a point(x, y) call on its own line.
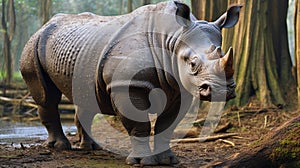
point(126, 57)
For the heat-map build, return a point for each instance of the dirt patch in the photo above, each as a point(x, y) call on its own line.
point(39, 156)
point(251, 124)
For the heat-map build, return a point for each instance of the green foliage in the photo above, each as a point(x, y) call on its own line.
point(17, 77)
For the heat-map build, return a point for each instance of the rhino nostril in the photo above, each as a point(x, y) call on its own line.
point(205, 90)
point(204, 87)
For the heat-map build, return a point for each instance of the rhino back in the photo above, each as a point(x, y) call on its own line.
point(62, 41)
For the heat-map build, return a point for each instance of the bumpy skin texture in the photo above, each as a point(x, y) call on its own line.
point(158, 46)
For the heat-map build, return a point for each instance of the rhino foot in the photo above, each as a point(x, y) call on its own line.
point(146, 161)
point(164, 158)
point(167, 158)
point(132, 160)
point(149, 161)
point(90, 146)
point(58, 143)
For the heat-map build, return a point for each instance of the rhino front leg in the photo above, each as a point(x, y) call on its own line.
point(136, 122)
point(139, 133)
point(164, 128)
point(86, 142)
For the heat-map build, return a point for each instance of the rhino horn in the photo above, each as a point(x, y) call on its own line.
point(226, 63)
point(210, 49)
point(215, 52)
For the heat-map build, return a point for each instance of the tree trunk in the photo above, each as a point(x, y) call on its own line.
point(21, 34)
point(44, 10)
point(146, 2)
point(8, 33)
point(12, 27)
point(297, 45)
point(262, 61)
point(208, 10)
point(11, 19)
point(121, 6)
point(129, 6)
point(279, 148)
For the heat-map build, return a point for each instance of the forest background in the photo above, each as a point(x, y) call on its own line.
point(266, 43)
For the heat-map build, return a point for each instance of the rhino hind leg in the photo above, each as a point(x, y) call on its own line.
point(50, 118)
point(86, 142)
point(46, 95)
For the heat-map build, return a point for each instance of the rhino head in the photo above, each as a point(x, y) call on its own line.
point(204, 70)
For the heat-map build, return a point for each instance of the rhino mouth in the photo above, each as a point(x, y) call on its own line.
point(207, 93)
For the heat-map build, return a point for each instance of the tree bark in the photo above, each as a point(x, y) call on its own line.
point(11, 19)
point(12, 27)
point(208, 10)
point(279, 148)
point(263, 64)
point(121, 6)
point(297, 46)
point(45, 10)
point(129, 6)
point(146, 2)
point(262, 61)
point(8, 33)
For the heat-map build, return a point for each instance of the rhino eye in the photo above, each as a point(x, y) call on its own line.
point(194, 66)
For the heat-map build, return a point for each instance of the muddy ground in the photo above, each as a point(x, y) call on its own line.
point(250, 123)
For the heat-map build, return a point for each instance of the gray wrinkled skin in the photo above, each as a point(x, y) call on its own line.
point(156, 46)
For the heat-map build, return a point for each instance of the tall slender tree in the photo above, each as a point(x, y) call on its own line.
point(121, 5)
point(8, 23)
point(44, 10)
point(129, 6)
point(297, 45)
point(208, 10)
point(262, 60)
point(146, 2)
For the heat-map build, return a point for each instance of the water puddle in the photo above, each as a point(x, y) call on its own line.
point(27, 133)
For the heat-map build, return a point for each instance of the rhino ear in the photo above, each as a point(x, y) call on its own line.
point(183, 14)
point(229, 18)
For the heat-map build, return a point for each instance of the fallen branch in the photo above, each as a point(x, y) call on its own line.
point(17, 102)
point(198, 122)
point(223, 128)
point(13, 92)
point(28, 102)
point(227, 142)
point(187, 133)
point(204, 139)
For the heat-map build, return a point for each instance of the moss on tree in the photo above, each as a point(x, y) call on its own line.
point(279, 148)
